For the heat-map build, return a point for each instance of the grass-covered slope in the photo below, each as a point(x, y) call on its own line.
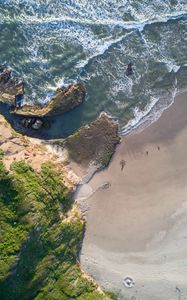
point(40, 236)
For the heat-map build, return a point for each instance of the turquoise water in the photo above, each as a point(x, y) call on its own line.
point(54, 43)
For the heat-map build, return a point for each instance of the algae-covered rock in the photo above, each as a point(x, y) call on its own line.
point(95, 142)
point(9, 86)
point(64, 100)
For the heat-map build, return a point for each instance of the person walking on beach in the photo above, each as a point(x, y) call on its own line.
point(178, 291)
point(122, 163)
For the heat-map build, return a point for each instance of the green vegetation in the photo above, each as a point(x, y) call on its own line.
point(40, 237)
point(113, 295)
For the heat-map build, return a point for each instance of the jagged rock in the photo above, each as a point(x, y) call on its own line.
point(37, 124)
point(2, 68)
point(5, 76)
point(64, 100)
point(27, 122)
point(18, 100)
point(95, 142)
point(129, 70)
point(9, 86)
point(33, 123)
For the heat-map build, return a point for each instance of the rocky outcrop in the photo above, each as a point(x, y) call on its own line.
point(35, 123)
point(129, 70)
point(94, 143)
point(64, 100)
point(18, 147)
point(9, 86)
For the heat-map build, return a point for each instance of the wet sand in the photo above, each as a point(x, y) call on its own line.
point(137, 224)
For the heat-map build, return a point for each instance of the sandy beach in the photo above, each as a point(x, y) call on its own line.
point(136, 222)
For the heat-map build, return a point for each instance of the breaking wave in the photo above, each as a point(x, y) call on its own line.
point(54, 43)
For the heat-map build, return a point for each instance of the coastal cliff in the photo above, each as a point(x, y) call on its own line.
point(41, 228)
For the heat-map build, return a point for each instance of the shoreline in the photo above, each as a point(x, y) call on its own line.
point(141, 126)
point(132, 222)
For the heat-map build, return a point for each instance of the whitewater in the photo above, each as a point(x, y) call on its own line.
point(54, 43)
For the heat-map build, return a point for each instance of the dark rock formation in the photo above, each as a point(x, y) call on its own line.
point(18, 100)
point(64, 100)
point(95, 142)
point(5, 76)
point(37, 124)
point(9, 86)
point(34, 123)
point(129, 70)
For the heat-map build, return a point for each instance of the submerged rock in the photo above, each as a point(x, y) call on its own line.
point(34, 123)
point(94, 143)
point(37, 124)
point(27, 122)
point(9, 86)
point(64, 100)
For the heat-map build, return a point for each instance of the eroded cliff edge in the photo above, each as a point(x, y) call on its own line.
point(41, 226)
point(41, 168)
point(92, 144)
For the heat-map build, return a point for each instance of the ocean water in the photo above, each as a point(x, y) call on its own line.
point(51, 43)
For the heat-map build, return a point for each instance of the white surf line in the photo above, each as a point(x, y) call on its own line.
point(140, 117)
point(102, 49)
point(105, 22)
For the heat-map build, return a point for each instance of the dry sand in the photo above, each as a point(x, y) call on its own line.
point(137, 224)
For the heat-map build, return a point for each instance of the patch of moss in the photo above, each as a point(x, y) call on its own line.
point(1, 153)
